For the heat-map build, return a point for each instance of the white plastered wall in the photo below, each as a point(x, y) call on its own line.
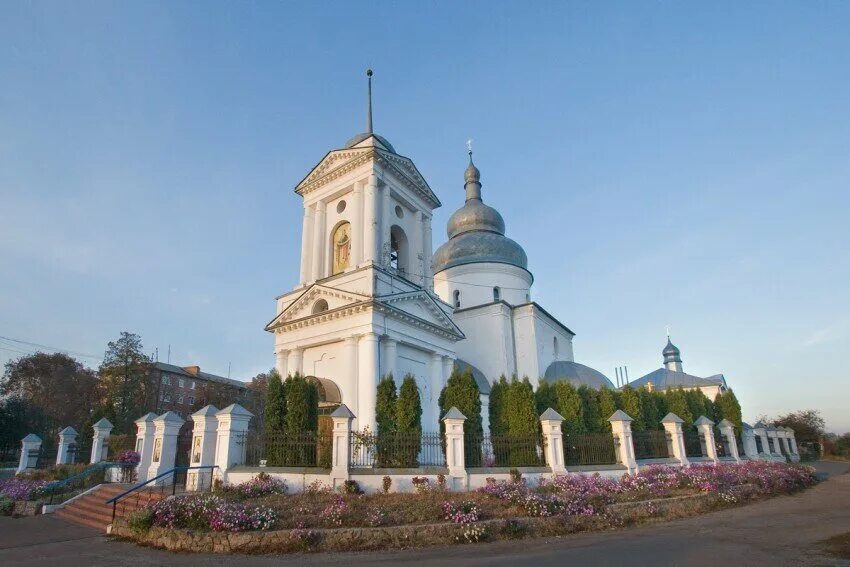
point(475, 282)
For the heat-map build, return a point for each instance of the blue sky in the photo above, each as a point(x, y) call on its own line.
point(661, 163)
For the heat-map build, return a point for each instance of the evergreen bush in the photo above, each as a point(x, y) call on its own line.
point(461, 391)
point(408, 422)
point(522, 422)
point(630, 403)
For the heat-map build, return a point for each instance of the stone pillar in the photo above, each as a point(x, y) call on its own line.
point(281, 357)
point(455, 452)
point(435, 374)
point(673, 426)
point(386, 221)
point(773, 446)
point(319, 244)
point(427, 252)
point(727, 430)
point(621, 427)
point(783, 435)
point(100, 440)
point(749, 440)
point(553, 439)
point(367, 381)
point(416, 252)
point(30, 449)
point(448, 366)
point(145, 433)
point(67, 437)
point(391, 359)
point(231, 437)
point(348, 382)
point(306, 249)
point(706, 428)
point(371, 227)
point(341, 418)
point(357, 223)
point(202, 453)
point(761, 432)
point(294, 366)
point(166, 428)
point(792, 437)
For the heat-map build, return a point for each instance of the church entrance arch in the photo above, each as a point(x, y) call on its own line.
point(330, 396)
point(399, 253)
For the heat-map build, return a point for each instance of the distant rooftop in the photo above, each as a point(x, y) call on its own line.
point(195, 372)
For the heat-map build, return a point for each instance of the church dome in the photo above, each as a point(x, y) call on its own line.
point(476, 232)
point(576, 374)
point(671, 352)
point(365, 136)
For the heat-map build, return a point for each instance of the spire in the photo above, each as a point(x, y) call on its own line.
point(672, 356)
point(472, 177)
point(369, 108)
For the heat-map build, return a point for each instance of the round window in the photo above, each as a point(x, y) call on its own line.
point(399, 212)
point(340, 206)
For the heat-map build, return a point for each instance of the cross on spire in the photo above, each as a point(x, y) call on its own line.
point(369, 106)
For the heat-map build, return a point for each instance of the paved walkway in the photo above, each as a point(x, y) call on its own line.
point(779, 531)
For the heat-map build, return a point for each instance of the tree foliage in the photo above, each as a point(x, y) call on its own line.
point(727, 407)
point(498, 407)
point(630, 403)
point(124, 380)
point(608, 404)
point(385, 405)
point(808, 425)
point(590, 409)
point(18, 418)
point(677, 403)
point(521, 413)
point(461, 391)
point(275, 410)
point(302, 405)
point(408, 409)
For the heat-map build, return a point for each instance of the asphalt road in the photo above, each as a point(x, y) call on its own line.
point(780, 531)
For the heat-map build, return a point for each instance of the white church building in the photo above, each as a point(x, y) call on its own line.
point(374, 299)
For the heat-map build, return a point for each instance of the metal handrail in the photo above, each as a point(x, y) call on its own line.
point(52, 486)
point(114, 501)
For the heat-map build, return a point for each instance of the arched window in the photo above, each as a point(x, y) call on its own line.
point(497, 294)
point(457, 298)
point(555, 346)
point(398, 250)
point(320, 306)
point(341, 242)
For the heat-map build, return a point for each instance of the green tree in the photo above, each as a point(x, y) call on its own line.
point(591, 410)
point(698, 404)
point(497, 409)
point(568, 403)
point(544, 397)
point(408, 421)
point(461, 391)
point(728, 408)
point(385, 405)
point(522, 422)
point(275, 415)
point(607, 406)
point(649, 408)
point(677, 403)
point(18, 418)
point(125, 381)
point(301, 420)
point(630, 403)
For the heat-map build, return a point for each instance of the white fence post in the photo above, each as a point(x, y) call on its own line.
point(144, 444)
point(202, 452)
point(455, 452)
point(748, 437)
point(166, 429)
point(100, 438)
point(673, 426)
point(760, 430)
point(621, 428)
point(706, 429)
point(231, 441)
point(67, 437)
point(795, 454)
point(341, 418)
point(30, 448)
point(553, 439)
point(727, 430)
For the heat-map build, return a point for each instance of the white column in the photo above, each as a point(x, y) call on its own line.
point(30, 448)
point(417, 253)
point(100, 440)
point(749, 440)
point(306, 249)
point(166, 428)
point(341, 418)
point(319, 243)
point(761, 432)
point(202, 453)
point(792, 437)
point(367, 381)
point(427, 254)
point(455, 452)
point(357, 232)
point(231, 442)
point(727, 430)
point(144, 444)
point(783, 435)
point(281, 356)
point(386, 220)
point(391, 359)
point(348, 386)
point(448, 366)
point(435, 374)
point(621, 428)
point(371, 228)
point(706, 428)
point(673, 426)
point(295, 357)
point(67, 437)
point(550, 423)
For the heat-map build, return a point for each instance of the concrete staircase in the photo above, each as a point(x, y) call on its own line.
point(91, 510)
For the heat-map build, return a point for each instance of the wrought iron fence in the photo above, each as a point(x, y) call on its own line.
point(651, 444)
point(304, 449)
point(759, 446)
point(525, 450)
point(740, 444)
point(721, 445)
point(10, 456)
point(396, 450)
point(589, 449)
point(693, 444)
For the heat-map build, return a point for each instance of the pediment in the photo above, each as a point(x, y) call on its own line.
point(421, 305)
point(303, 305)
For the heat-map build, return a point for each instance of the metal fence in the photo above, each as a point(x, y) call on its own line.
point(396, 450)
point(304, 449)
point(720, 444)
point(505, 450)
point(651, 444)
point(589, 449)
point(693, 443)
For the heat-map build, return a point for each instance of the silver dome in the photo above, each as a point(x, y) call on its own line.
point(477, 233)
point(671, 353)
point(576, 374)
point(365, 135)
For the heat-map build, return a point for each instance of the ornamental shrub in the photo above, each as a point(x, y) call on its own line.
point(728, 408)
point(677, 403)
point(544, 397)
point(568, 403)
point(590, 410)
point(461, 391)
point(698, 404)
point(385, 405)
point(408, 421)
point(608, 404)
point(497, 409)
point(302, 405)
point(630, 403)
point(6, 505)
point(650, 408)
point(275, 411)
point(522, 420)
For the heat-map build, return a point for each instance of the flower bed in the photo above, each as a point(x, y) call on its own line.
point(319, 518)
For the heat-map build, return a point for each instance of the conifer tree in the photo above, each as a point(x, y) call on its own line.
point(408, 420)
point(677, 403)
point(275, 417)
point(302, 416)
point(568, 403)
point(698, 404)
point(649, 408)
point(461, 391)
point(385, 405)
point(590, 409)
point(607, 406)
point(498, 400)
point(630, 403)
point(729, 408)
point(544, 397)
point(521, 421)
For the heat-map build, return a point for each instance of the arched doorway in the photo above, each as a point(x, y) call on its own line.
point(399, 253)
point(330, 396)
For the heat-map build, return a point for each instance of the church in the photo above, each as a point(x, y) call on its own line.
point(375, 299)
